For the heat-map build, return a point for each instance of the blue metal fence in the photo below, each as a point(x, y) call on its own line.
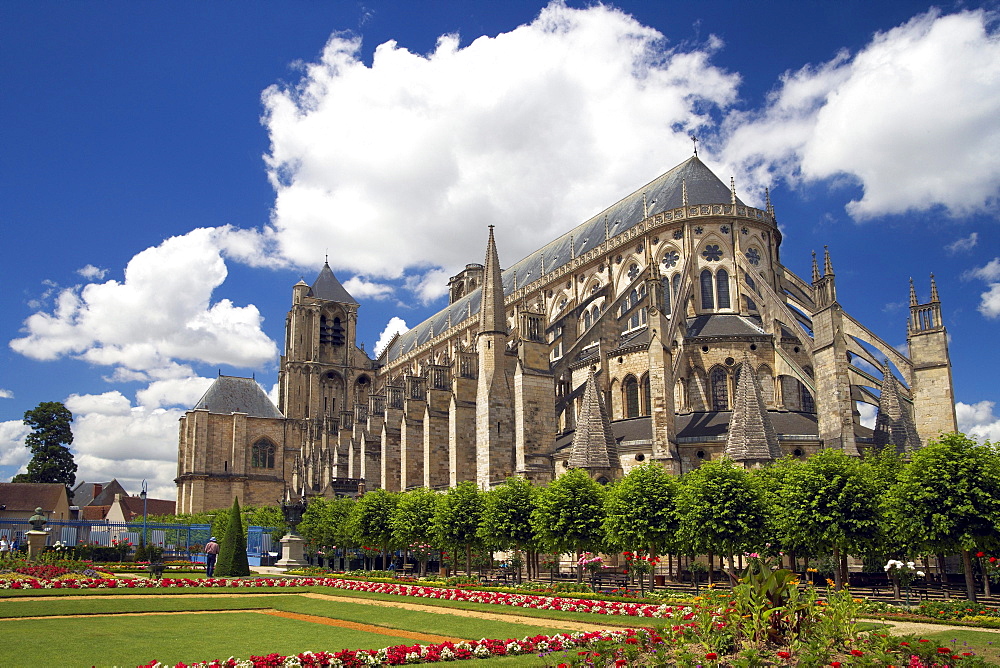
point(179, 541)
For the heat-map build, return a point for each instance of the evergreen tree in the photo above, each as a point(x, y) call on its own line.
point(232, 560)
point(51, 460)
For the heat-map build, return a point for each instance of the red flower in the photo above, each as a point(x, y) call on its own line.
point(944, 650)
point(980, 554)
point(783, 655)
point(857, 652)
point(993, 560)
point(711, 656)
point(835, 664)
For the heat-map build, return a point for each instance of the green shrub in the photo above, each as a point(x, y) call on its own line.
point(232, 561)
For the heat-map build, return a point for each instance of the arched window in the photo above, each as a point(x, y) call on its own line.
point(262, 454)
point(707, 290)
point(766, 384)
point(647, 400)
point(337, 333)
point(808, 406)
point(666, 296)
point(722, 287)
point(631, 388)
point(676, 285)
point(587, 322)
point(720, 390)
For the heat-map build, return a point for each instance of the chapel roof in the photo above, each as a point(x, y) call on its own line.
point(327, 287)
point(233, 394)
point(26, 496)
point(663, 193)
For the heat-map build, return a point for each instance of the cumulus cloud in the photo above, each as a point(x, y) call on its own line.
point(114, 439)
point(6, 394)
point(989, 301)
point(907, 118)
point(978, 421)
point(359, 288)
point(12, 449)
point(406, 161)
point(868, 413)
point(160, 313)
point(963, 245)
point(92, 273)
point(182, 392)
point(395, 326)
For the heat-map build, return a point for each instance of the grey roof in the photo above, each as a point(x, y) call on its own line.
point(327, 287)
point(751, 435)
point(722, 324)
point(716, 423)
point(232, 394)
point(893, 423)
point(664, 193)
point(83, 494)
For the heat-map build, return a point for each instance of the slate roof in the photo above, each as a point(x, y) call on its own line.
point(326, 286)
point(24, 496)
point(593, 440)
point(662, 194)
point(751, 435)
point(232, 394)
point(83, 494)
point(722, 324)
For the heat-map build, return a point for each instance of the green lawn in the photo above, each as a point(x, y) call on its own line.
point(985, 644)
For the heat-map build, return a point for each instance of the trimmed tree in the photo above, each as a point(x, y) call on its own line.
point(457, 518)
point(720, 511)
point(412, 522)
point(51, 460)
point(948, 499)
point(370, 521)
point(829, 503)
point(506, 520)
point(232, 561)
point(641, 511)
point(570, 513)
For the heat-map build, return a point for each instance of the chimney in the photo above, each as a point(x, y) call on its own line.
point(98, 488)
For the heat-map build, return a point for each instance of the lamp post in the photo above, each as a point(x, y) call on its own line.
point(143, 495)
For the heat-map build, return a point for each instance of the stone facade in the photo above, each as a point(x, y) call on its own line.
point(670, 302)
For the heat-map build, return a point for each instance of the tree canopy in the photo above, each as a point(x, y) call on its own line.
point(641, 510)
point(570, 513)
point(51, 459)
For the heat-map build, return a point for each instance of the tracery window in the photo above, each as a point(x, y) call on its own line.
point(808, 406)
point(707, 290)
point(722, 287)
point(670, 259)
point(262, 454)
point(753, 255)
point(666, 295)
point(633, 272)
point(631, 388)
point(720, 390)
point(712, 253)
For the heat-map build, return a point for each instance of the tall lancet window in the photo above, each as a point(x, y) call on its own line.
point(720, 390)
point(722, 287)
point(707, 290)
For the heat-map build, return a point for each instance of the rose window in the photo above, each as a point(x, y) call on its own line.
point(754, 256)
point(670, 259)
point(712, 253)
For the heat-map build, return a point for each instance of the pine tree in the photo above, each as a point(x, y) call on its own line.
point(51, 459)
point(232, 560)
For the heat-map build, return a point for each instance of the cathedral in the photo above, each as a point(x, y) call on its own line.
point(664, 329)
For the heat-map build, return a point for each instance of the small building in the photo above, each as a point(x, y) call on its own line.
point(18, 500)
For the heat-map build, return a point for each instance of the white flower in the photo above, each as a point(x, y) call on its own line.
point(920, 574)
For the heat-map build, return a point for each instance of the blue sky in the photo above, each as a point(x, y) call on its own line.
point(170, 170)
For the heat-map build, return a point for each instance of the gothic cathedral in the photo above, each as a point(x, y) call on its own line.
point(663, 329)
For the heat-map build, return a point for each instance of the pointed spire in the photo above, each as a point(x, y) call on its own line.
point(751, 437)
point(684, 192)
point(827, 264)
point(913, 293)
point(767, 201)
point(894, 424)
point(492, 316)
point(732, 189)
point(816, 275)
point(593, 441)
point(934, 292)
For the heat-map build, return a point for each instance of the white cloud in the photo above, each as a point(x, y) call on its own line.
point(6, 394)
point(12, 449)
point(92, 273)
point(978, 421)
point(160, 313)
point(183, 392)
point(396, 325)
point(963, 245)
point(358, 287)
point(989, 301)
point(908, 118)
point(407, 161)
point(868, 413)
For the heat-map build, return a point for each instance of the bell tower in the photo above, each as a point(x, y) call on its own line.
point(933, 390)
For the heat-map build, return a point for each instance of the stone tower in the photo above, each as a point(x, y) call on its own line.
point(932, 388)
point(494, 405)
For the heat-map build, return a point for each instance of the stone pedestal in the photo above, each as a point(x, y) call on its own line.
point(36, 543)
point(293, 552)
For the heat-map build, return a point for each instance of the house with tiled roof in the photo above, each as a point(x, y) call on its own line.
point(18, 500)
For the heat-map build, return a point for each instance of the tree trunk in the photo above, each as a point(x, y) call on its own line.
point(943, 575)
point(711, 567)
point(652, 568)
point(837, 582)
point(986, 576)
point(732, 569)
point(845, 574)
point(794, 561)
point(468, 560)
point(970, 577)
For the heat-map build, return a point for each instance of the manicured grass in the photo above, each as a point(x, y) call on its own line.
point(105, 641)
point(985, 644)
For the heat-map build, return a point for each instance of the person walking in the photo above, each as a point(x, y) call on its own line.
point(211, 553)
point(4, 547)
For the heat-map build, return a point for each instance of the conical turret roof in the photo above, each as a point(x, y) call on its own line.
point(593, 442)
point(327, 287)
point(751, 436)
point(894, 423)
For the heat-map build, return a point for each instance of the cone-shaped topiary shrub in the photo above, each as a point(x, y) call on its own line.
point(232, 560)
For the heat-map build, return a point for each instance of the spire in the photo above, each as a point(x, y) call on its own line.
point(913, 293)
point(827, 264)
point(751, 437)
point(934, 292)
point(767, 202)
point(894, 424)
point(593, 442)
point(492, 315)
point(816, 275)
point(328, 288)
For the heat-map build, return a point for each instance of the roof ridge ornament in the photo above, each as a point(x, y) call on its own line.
point(684, 192)
point(815, 268)
point(694, 140)
point(732, 189)
point(934, 290)
point(913, 293)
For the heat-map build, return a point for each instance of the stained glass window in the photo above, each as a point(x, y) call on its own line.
point(753, 255)
point(707, 290)
point(724, 229)
point(712, 253)
point(670, 259)
point(262, 454)
point(720, 390)
point(678, 234)
point(633, 271)
point(631, 397)
point(722, 288)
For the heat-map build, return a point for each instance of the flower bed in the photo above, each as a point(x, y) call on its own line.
point(447, 651)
